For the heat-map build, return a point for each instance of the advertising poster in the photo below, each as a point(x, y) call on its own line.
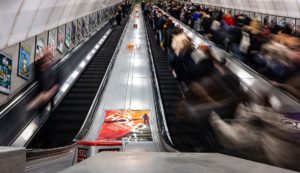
point(73, 35)
point(60, 40)
point(24, 61)
point(98, 17)
point(87, 24)
point(91, 22)
point(40, 47)
point(101, 16)
point(83, 27)
point(5, 73)
point(51, 41)
point(68, 37)
point(79, 31)
point(126, 125)
point(94, 19)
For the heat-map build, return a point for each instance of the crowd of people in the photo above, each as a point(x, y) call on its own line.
point(214, 102)
point(271, 49)
point(122, 11)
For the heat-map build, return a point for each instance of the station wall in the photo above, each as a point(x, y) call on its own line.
point(50, 17)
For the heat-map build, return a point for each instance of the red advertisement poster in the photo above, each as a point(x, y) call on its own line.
point(126, 125)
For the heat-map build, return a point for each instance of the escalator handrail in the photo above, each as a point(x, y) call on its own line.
point(95, 104)
point(231, 57)
point(60, 62)
point(33, 154)
point(158, 101)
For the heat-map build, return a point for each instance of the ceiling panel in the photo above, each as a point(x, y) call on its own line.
point(42, 17)
point(78, 9)
point(253, 5)
point(293, 8)
point(246, 5)
point(8, 11)
point(56, 14)
point(270, 9)
point(280, 7)
point(24, 21)
point(67, 12)
point(260, 6)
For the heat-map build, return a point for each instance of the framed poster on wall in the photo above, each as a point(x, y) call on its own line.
point(258, 16)
point(87, 25)
point(98, 17)
point(24, 61)
point(252, 15)
point(265, 19)
point(73, 35)
point(5, 73)
point(51, 41)
point(68, 37)
point(297, 26)
point(79, 30)
point(60, 40)
point(83, 27)
point(90, 22)
point(39, 48)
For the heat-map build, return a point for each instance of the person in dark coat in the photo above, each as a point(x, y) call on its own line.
point(118, 15)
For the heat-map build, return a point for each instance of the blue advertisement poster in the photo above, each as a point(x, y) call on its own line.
point(68, 37)
point(98, 17)
point(5, 73)
point(60, 40)
point(51, 41)
point(79, 30)
point(73, 37)
point(24, 61)
point(83, 27)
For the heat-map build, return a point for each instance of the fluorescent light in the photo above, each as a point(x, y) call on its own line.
point(82, 64)
point(89, 57)
point(64, 87)
point(75, 74)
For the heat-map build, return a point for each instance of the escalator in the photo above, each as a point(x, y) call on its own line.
point(187, 135)
point(67, 118)
point(169, 89)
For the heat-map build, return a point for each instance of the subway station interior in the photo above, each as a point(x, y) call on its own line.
point(165, 86)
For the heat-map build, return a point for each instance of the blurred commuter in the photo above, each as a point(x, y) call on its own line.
point(48, 83)
point(146, 11)
point(143, 5)
point(257, 133)
point(123, 9)
point(159, 27)
point(229, 19)
point(170, 33)
point(182, 47)
point(146, 119)
point(118, 15)
point(196, 21)
point(213, 92)
point(190, 64)
point(278, 60)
